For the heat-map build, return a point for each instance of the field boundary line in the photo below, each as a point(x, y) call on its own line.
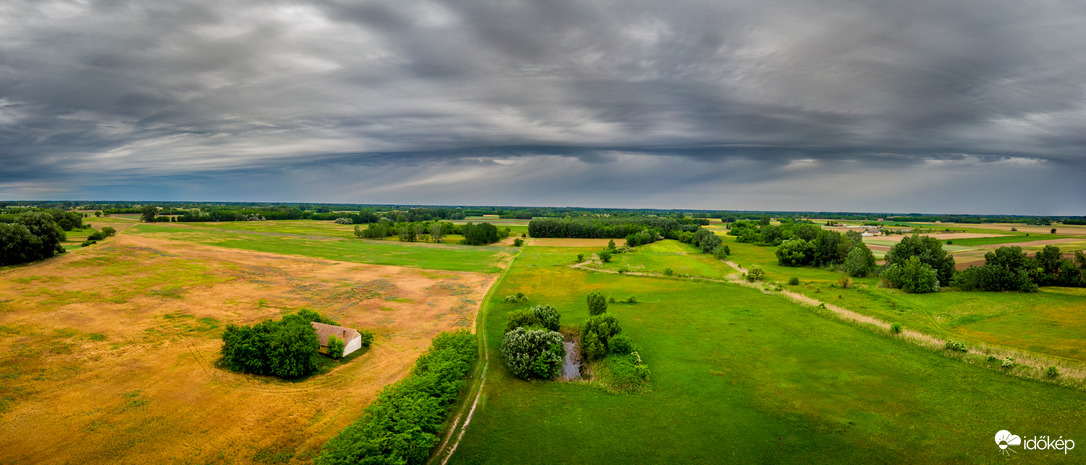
point(445, 451)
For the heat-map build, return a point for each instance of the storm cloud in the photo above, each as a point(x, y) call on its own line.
point(920, 106)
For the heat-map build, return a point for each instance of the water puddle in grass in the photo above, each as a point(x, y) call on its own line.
point(571, 368)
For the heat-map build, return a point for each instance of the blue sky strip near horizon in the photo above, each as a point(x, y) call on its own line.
point(926, 106)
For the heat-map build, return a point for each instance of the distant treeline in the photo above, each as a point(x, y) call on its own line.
point(474, 234)
point(610, 228)
point(412, 213)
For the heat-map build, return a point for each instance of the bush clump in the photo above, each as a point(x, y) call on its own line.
point(596, 334)
point(756, 273)
point(335, 347)
point(539, 316)
point(402, 425)
point(793, 281)
point(597, 303)
point(1052, 372)
point(956, 345)
point(895, 327)
point(286, 348)
point(533, 353)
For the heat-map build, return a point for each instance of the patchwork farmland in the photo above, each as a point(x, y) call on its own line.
point(112, 350)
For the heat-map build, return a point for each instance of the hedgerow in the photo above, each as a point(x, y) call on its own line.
point(403, 424)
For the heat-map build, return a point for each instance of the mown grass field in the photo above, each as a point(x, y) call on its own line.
point(301, 240)
point(739, 376)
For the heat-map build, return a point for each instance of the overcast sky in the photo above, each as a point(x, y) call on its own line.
point(910, 106)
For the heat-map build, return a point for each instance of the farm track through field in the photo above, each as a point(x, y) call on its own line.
point(1073, 372)
point(445, 451)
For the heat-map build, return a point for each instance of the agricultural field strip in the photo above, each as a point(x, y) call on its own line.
point(1072, 368)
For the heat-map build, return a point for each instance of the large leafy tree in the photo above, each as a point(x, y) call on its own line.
point(928, 250)
point(148, 213)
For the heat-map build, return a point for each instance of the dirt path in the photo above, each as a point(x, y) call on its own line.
point(445, 451)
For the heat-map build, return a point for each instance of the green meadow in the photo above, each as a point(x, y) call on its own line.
point(1048, 321)
point(739, 376)
point(680, 258)
point(274, 239)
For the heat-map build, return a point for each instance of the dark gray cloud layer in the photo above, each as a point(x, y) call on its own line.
point(935, 106)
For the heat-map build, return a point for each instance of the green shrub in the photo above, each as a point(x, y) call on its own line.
point(793, 281)
point(859, 261)
point(596, 334)
point(992, 358)
point(954, 344)
point(597, 303)
point(518, 242)
point(580, 257)
point(88, 243)
point(605, 256)
point(96, 236)
point(518, 297)
point(668, 272)
point(895, 327)
point(630, 300)
point(914, 276)
point(366, 338)
point(845, 282)
point(1052, 372)
point(621, 345)
point(335, 347)
point(109, 231)
point(402, 425)
point(533, 353)
point(756, 273)
point(1008, 363)
point(539, 316)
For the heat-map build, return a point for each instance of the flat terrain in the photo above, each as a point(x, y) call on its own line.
point(317, 239)
point(107, 353)
point(739, 376)
point(1048, 322)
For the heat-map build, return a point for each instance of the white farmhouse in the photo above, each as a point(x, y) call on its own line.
point(352, 341)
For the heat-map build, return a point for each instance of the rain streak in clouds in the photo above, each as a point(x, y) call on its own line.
point(921, 106)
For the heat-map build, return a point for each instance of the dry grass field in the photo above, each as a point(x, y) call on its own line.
point(107, 353)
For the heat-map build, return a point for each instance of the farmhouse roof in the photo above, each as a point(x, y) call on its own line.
point(323, 331)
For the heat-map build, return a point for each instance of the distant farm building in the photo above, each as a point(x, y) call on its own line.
point(352, 341)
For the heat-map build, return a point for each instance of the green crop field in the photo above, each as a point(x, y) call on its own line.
point(273, 240)
point(739, 376)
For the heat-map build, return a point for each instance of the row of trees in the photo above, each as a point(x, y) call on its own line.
point(474, 234)
point(606, 227)
point(31, 237)
point(403, 423)
point(1011, 269)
